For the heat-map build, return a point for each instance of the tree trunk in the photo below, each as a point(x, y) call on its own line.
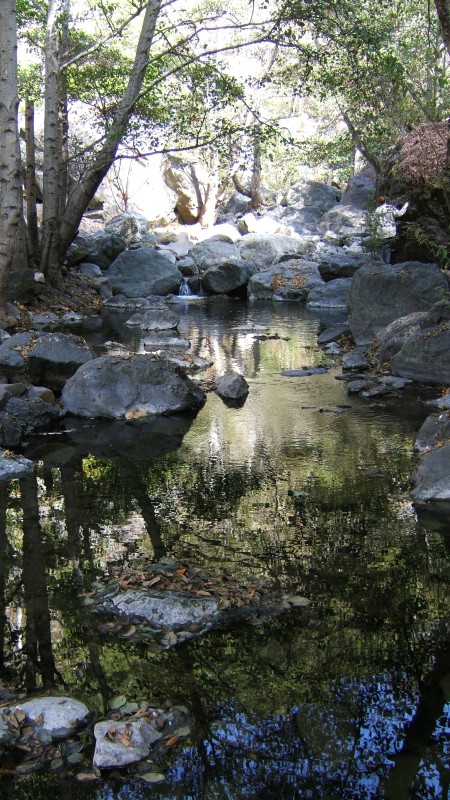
point(85, 190)
point(255, 183)
point(208, 212)
point(30, 183)
point(443, 12)
point(52, 145)
point(10, 179)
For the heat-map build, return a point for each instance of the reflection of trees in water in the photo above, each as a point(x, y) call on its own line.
point(38, 640)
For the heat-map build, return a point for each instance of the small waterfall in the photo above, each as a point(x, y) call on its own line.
point(184, 290)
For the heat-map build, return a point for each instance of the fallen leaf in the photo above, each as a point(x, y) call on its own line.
point(84, 777)
point(169, 742)
point(153, 777)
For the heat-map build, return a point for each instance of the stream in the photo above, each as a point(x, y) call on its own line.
point(303, 485)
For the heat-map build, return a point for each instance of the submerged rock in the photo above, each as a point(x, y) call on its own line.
point(433, 475)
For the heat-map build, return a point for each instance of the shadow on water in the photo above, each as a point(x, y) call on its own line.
point(301, 485)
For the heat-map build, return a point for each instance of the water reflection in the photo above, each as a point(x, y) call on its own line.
point(301, 485)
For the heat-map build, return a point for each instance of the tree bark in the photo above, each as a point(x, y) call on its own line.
point(10, 179)
point(30, 182)
point(443, 12)
point(255, 183)
point(85, 190)
point(52, 145)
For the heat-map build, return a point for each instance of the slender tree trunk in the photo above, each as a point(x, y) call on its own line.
point(63, 113)
point(85, 190)
point(10, 180)
point(208, 213)
point(255, 183)
point(52, 145)
point(443, 12)
point(31, 190)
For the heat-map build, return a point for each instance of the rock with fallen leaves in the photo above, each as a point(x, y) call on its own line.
point(118, 744)
point(173, 602)
point(54, 717)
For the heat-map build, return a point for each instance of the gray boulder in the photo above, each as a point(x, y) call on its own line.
point(434, 431)
point(392, 338)
point(311, 194)
point(14, 467)
point(334, 333)
point(189, 181)
point(237, 204)
point(432, 477)
point(118, 744)
point(359, 192)
point(381, 293)
point(103, 249)
point(130, 226)
point(22, 417)
point(338, 262)
point(227, 277)
point(21, 286)
point(345, 221)
point(130, 387)
point(55, 717)
point(290, 280)
point(299, 220)
point(93, 270)
point(140, 273)
point(264, 249)
point(43, 358)
point(355, 360)
point(333, 294)
point(212, 252)
point(158, 317)
point(232, 386)
point(425, 357)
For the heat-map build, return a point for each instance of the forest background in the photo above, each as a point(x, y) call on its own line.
point(260, 92)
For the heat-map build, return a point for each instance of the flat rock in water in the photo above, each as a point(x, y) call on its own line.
point(58, 717)
point(156, 318)
point(14, 467)
point(169, 610)
point(302, 373)
point(118, 744)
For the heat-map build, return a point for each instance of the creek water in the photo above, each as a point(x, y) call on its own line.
point(302, 485)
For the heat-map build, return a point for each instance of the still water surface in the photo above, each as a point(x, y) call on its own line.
point(302, 485)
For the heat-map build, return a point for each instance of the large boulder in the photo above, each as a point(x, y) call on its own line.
point(345, 221)
point(392, 338)
point(140, 273)
point(332, 294)
point(432, 477)
point(434, 431)
point(264, 249)
point(21, 286)
point(103, 248)
point(337, 262)
point(130, 387)
point(189, 181)
point(213, 251)
point(381, 293)
point(425, 357)
point(312, 194)
point(22, 417)
point(289, 280)
point(302, 221)
point(359, 192)
point(130, 226)
point(43, 358)
point(227, 277)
